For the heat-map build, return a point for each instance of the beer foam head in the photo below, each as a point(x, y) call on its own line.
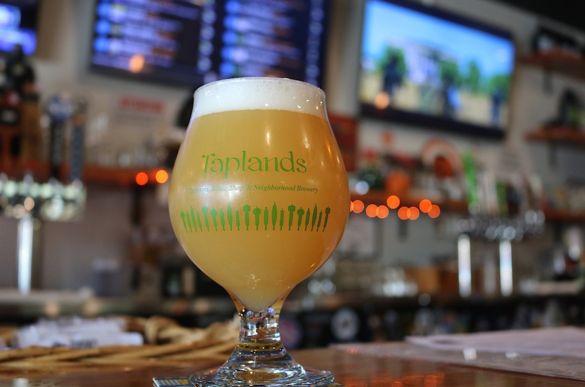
point(259, 93)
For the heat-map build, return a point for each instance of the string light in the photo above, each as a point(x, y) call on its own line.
point(413, 213)
point(425, 206)
point(141, 178)
point(435, 211)
point(161, 176)
point(393, 202)
point(371, 210)
point(403, 213)
point(382, 212)
point(358, 206)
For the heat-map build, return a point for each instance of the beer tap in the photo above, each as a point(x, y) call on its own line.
point(77, 147)
point(59, 109)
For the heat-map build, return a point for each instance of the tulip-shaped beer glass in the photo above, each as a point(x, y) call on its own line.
point(259, 200)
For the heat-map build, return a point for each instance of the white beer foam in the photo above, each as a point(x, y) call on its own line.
point(258, 93)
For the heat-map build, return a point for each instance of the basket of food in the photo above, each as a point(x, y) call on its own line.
point(139, 342)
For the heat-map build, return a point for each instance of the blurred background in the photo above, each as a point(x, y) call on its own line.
point(460, 122)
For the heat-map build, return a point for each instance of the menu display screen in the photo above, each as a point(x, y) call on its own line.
point(18, 24)
point(194, 42)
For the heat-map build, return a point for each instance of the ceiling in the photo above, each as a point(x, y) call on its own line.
point(570, 12)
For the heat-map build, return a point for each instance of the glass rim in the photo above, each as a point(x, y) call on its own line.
point(219, 82)
point(263, 93)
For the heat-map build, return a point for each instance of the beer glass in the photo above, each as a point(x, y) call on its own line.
point(258, 200)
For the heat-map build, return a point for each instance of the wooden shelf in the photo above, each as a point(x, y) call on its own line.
point(17, 170)
point(567, 136)
point(551, 214)
point(566, 216)
point(378, 197)
point(561, 62)
point(92, 174)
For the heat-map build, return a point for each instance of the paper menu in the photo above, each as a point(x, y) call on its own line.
point(567, 341)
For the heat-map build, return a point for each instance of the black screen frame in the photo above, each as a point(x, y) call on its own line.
point(430, 121)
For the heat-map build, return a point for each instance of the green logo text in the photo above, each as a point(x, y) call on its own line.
point(213, 163)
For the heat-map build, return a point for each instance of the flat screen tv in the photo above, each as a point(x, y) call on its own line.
point(18, 25)
point(429, 67)
point(188, 43)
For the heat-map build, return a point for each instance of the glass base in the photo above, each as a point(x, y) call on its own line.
point(308, 378)
point(259, 359)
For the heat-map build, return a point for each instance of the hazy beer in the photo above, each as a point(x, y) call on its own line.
point(259, 196)
point(259, 200)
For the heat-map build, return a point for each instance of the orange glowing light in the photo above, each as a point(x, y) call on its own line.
point(382, 212)
point(358, 206)
point(141, 178)
point(414, 213)
point(403, 213)
point(435, 211)
point(136, 63)
point(432, 381)
point(350, 206)
point(425, 206)
point(393, 202)
point(382, 100)
point(161, 176)
point(371, 210)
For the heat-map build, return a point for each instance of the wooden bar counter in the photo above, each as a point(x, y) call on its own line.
point(351, 369)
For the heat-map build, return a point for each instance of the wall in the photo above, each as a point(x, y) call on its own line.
point(104, 231)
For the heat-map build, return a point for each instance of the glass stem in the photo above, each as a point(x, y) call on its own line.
point(259, 330)
point(260, 354)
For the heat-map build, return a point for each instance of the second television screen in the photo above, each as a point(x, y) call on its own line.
point(426, 65)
